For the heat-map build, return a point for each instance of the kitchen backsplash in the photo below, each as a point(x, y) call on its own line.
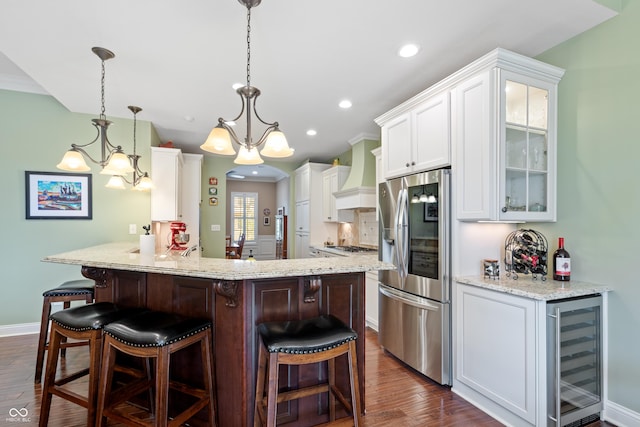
point(363, 231)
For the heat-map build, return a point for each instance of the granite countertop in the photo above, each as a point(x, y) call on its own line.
point(535, 289)
point(125, 256)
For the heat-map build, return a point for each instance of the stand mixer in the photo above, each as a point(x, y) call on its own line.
point(178, 236)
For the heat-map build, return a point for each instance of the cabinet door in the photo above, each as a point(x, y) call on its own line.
point(302, 216)
point(302, 245)
point(431, 138)
point(303, 176)
point(396, 146)
point(475, 163)
point(496, 352)
point(329, 186)
point(166, 170)
point(527, 149)
point(371, 300)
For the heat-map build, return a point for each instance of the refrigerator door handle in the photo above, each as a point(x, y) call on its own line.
point(398, 223)
point(408, 299)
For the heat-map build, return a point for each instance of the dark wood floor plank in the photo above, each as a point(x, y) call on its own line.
point(395, 394)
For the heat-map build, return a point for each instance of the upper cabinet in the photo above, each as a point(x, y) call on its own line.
point(332, 181)
point(166, 170)
point(505, 137)
point(494, 123)
point(415, 136)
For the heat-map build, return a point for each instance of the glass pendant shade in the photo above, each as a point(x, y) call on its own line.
point(248, 157)
point(276, 145)
point(145, 184)
point(415, 199)
point(116, 182)
point(219, 142)
point(424, 198)
point(73, 161)
point(119, 164)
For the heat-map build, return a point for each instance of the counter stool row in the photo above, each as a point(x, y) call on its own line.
point(108, 329)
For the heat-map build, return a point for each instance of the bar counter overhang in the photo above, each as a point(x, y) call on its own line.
point(237, 295)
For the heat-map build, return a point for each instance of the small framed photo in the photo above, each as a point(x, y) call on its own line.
point(213, 201)
point(213, 191)
point(213, 181)
point(54, 195)
point(266, 220)
point(280, 211)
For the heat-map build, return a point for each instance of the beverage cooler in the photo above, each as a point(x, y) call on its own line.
point(574, 361)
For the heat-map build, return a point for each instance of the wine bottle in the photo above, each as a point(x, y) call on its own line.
point(561, 263)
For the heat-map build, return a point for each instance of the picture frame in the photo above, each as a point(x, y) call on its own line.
point(266, 221)
point(213, 201)
point(280, 210)
point(213, 191)
point(213, 181)
point(430, 212)
point(58, 195)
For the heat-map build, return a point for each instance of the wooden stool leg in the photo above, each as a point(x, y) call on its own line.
point(355, 385)
point(42, 340)
point(162, 386)
point(49, 376)
point(106, 379)
point(95, 355)
point(260, 380)
point(331, 365)
point(63, 349)
point(208, 370)
point(272, 390)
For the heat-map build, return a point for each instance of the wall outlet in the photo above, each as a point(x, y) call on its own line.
point(133, 229)
point(215, 227)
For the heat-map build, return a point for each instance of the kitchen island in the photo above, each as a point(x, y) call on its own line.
point(236, 295)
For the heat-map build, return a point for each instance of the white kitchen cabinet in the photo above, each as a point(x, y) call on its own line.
point(504, 132)
point(302, 244)
point(371, 300)
point(302, 216)
point(191, 194)
point(309, 225)
point(332, 181)
point(498, 350)
point(416, 136)
point(166, 172)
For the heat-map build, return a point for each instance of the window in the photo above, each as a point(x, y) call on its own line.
point(244, 213)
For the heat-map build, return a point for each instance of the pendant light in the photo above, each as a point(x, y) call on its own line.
point(112, 159)
point(219, 140)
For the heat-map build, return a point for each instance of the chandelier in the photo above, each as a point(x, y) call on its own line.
point(140, 180)
point(112, 160)
point(219, 140)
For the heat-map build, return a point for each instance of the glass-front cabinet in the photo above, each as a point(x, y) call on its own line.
point(527, 149)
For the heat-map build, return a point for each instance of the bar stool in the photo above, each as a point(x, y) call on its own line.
point(73, 290)
point(301, 342)
point(157, 335)
point(82, 323)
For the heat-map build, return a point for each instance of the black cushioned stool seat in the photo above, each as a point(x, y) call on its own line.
point(157, 335)
point(73, 290)
point(81, 323)
point(301, 342)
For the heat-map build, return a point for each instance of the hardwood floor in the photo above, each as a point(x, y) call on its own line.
point(395, 395)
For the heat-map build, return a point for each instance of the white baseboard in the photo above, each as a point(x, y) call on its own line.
point(619, 415)
point(19, 329)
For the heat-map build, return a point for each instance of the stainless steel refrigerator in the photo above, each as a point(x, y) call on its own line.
point(415, 298)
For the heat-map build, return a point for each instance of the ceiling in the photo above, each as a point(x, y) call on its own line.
point(178, 59)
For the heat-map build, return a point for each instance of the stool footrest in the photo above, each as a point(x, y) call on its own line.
point(72, 377)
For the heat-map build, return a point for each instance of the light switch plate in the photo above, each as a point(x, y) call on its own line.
point(215, 227)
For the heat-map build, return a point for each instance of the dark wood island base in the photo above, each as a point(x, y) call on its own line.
point(235, 307)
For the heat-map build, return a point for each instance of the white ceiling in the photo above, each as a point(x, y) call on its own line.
point(178, 59)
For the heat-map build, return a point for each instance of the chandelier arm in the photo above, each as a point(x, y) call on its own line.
point(265, 135)
point(88, 143)
point(232, 133)
point(84, 152)
point(255, 111)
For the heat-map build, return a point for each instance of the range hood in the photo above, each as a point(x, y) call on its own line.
point(359, 189)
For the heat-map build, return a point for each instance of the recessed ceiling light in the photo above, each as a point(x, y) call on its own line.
point(254, 172)
point(408, 50)
point(236, 176)
point(189, 118)
point(312, 132)
point(345, 103)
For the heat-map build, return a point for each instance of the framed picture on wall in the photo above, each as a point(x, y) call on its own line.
point(55, 195)
point(213, 191)
point(213, 201)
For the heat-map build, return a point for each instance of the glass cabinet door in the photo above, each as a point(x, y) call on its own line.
point(525, 150)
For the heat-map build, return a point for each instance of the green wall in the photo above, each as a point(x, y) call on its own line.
point(35, 132)
point(599, 180)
